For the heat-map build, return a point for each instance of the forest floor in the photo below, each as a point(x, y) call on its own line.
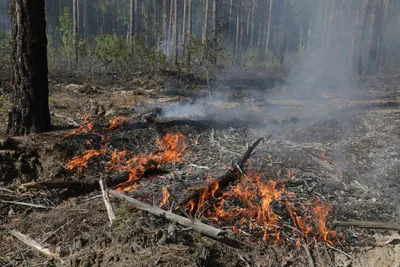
point(339, 144)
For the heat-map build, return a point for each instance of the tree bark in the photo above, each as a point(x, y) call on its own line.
point(268, 28)
point(214, 28)
point(236, 54)
point(184, 28)
point(171, 13)
point(84, 23)
point(230, 20)
point(30, 111)
point(164, 23)
point(205, 23)
point(131, 19)
point(176, 32)
point(75, 30)
point(189, 32)
point(155, 20)
point(252, 24)
point(362, 32)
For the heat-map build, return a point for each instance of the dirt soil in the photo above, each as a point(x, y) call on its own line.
point(330, 144)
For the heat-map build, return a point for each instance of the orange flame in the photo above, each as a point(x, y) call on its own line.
point(249, 206)
point(165, 196)
point(171, 149)
point(85, 126)
point(81, 161)
point(324, 158)
point(116, 123)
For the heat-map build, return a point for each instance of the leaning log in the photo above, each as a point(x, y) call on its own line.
point(196, 225)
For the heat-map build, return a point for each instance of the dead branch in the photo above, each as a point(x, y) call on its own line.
point(369, 224)
point(110, 211)
point(25, 204)
point(197, 226)
point(232, 174)
point(86, 187)
point(309, 256)
point(34, 244)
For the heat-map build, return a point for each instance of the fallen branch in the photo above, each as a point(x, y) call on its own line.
point(369, 224)
point(34, 244)
point(86, 187)
point(309, 256)
point(197, 226)
point(231, 175)
point(25, 204)
point(110, 211)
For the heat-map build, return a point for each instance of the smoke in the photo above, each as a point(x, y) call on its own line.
point(185, 110)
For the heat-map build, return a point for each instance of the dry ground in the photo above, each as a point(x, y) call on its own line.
point(360, 174)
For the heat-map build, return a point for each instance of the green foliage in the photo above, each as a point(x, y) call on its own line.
point(150, 56)
point(65, 29)
point(111, 49)
point(205, 53)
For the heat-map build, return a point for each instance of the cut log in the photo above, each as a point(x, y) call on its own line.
point(231, 175)
point(196, 225)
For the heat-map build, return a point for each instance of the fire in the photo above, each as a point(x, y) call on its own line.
point(165, 196)
point(170, 149)
point(326, 161)
point(251, 207)
point(85, 126)
point(81, 161)
point(118, 122)
point(255, 206)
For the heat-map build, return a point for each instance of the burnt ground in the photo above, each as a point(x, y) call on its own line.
point(355, 127)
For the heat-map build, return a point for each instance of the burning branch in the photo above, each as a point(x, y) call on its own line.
point(196, 225)
point(230, 176)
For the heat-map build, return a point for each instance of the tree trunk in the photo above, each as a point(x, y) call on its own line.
point(176, 32)
point(184, 28)
point(75, 30)
point(252, 24)
point(171, 12)
point(189, 31)
point(155, 35)
point(164, 23)
point(30, 111)
point(236, 55)
point(362, 32)
point(131, 19)
point(268, 28)
point(144, 21)
point(84, 24)
point(214, 28)
point(230, 21)
point(205, 23)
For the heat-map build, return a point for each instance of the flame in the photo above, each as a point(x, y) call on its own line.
point(326, 161)
point(250, 207)
point(85, 126)
point(321, 211)
point(292, 174)
point(81, 161)
point(116, 123)
point(165, 196)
